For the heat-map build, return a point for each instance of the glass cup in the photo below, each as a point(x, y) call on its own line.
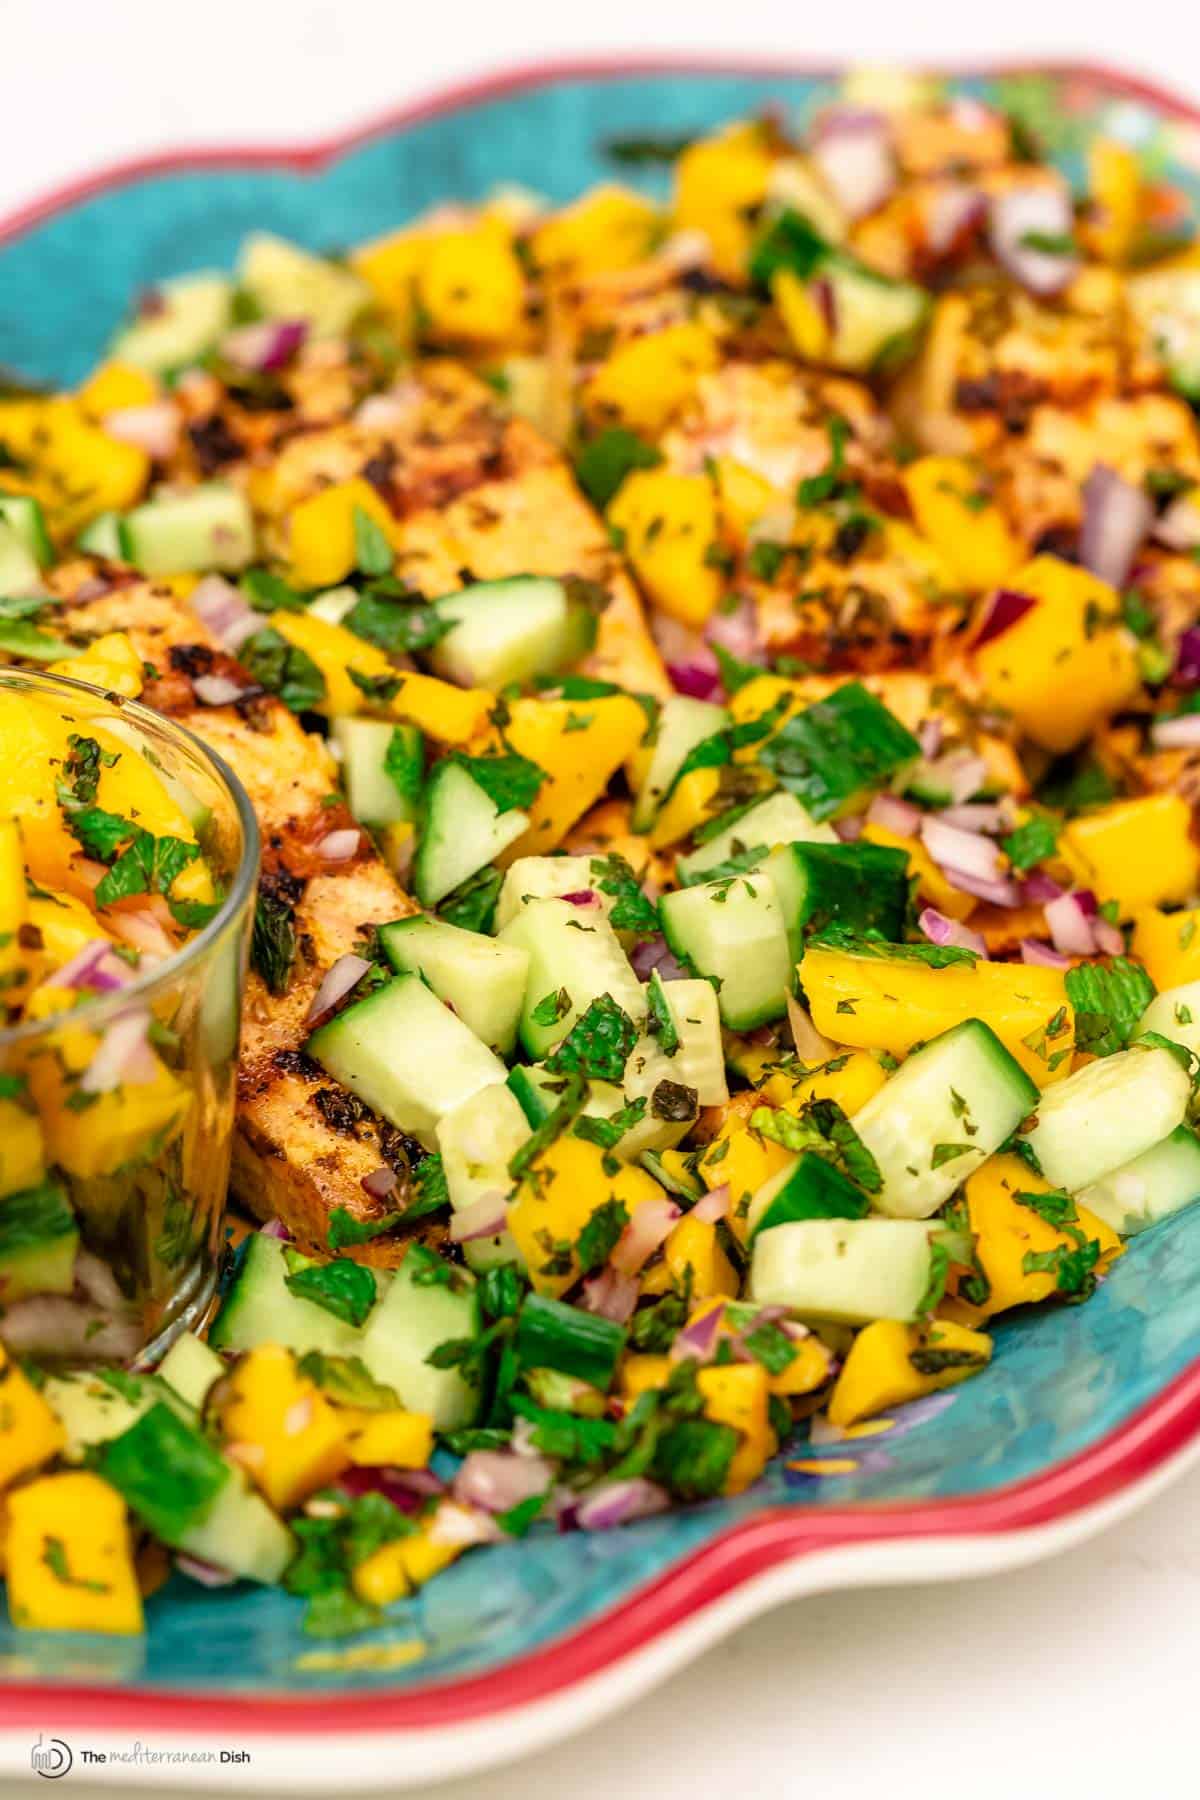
point(117, 1251)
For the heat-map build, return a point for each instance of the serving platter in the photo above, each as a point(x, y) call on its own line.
point(1084, 1411)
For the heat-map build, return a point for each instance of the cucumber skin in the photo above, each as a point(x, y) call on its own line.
point(859, 887)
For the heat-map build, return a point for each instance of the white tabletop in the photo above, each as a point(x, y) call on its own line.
point(1080, 1671)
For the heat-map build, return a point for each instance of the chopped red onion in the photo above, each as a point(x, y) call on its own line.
point(929, 736)
point(891, 813)
point(735, 631)
point(123, 1055)
point(1034, 212)
point(1116, 518)
point(98, 1283)
point(612, 1503)
point(142, 931)
point(209, 1575)
point(952, 215)
point(653, 953)
point(699, 1336)
point(961, 772)
point(266, 346)
point(1070, 925)
point(583, 897)
point(810, 1046)
point(275, 1228)
point(56, 1325)
point(154, 429)
point(982, 815)
point(941, 930)
point(1002, 892)
point(219, 606)
point(484, 1218)
point(406, 1489)
point(1005, 609)
point(1187, 658)
point(714, 1205)
point(454, 1524)
point(849, 830)
point(854, 154)
point(1038, 887)
point(1041, 956)
point(340, 846)
point(345, 974)
point(216, 690)
point(497, 1480)
point(1179, 526)
point(611, 1295)
point(380, 1182)
point(1179, 733)
point(95, 966)
point(1109, 939)
point(645, 1231)
point(696, 682)
point(968, 852)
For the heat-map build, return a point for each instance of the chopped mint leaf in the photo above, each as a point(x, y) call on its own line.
point(345, 1289)
point(372, 551)
point(1108, 1000)
point(599, 1043)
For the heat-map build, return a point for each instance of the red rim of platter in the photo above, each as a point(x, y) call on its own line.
point(1159, 1431)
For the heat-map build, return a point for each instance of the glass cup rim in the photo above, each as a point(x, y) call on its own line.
point(99, 1011)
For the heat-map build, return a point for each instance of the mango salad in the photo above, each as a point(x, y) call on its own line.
point(719, 684)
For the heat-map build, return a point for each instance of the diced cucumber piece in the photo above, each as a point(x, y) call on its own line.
point(877, 320)
point(682, 724)
point(942, 1114)
point(39, 1239)
point(209, 527)
point(779, 819)
point(1107, 1114)
point(23, 514)
point(428, 1303)
point(383, 769)
point(188, 315)
point(845, 1271)
point(260, 1308)
point(512, 630)
point(1175, 1014)
point(190, 1367)
point(242, 1534)
point(1166, 304)
point(574, 957)
point(808, 1188)
point(291, 283)
point(102, 537)
point(539, 1090)
point(861, 887)
point(733, 930)
point(553, 1335)
point(1159, 1182)
point(689, 1021)
point(480, 979)
point(193, 1498)
point(20, 575)
point(464, 830)
point(404, 1052)
point(477, 1141)
point(334, 604)
point(93, 1408)
point(834, 754)
point(546, 878)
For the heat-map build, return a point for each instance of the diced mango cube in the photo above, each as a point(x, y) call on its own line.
point(610, 227)
point(472, 287)
point(579, 762)
point(1169, 945)
point(30, 1433)
point(557, 1196)
point(109, 662)
point(336, 652)
point(399, 1567)
point(399, 1439)
point(69, 1559)
point(737, 1395)
point(646, 380)
point(323, 540)
point(720, 182)
point(281, 1428)
point(1139, 853)
point(113, 386)
point(890, 1363)
point(955, 512)
point(693, 1245)
point(1021, 1253)
point(670, 527)
point(1068, 663)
